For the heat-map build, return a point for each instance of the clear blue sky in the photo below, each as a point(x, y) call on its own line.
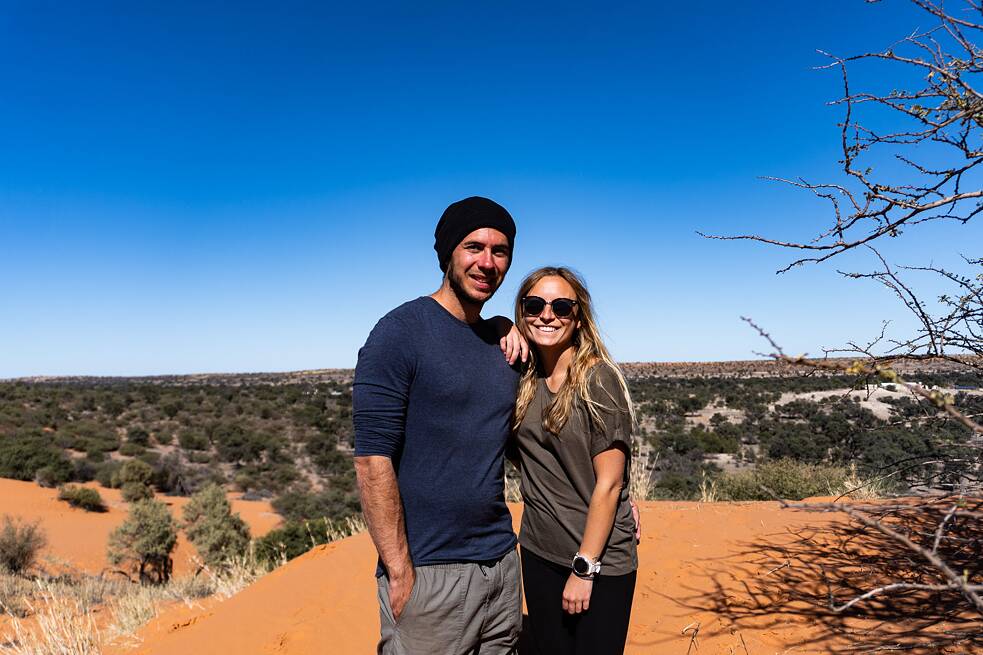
point(189, 187)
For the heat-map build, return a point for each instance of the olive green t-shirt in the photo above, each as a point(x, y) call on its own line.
point(558, 475)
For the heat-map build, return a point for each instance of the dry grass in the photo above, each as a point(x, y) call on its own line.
point(55, 616)
point(708, 489)
point(858, 488)
point(351, 525)
point(237, 573)
point(131, 611)
point(513, 494)
point(64, 625)
point(14, 590)
point(640, 484)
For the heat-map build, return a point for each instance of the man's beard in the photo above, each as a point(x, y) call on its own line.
point(457, 286)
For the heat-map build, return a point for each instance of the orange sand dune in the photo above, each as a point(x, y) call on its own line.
point(706, 570)
point(77, 539)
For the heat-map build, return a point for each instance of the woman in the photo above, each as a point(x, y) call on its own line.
point(572, 433)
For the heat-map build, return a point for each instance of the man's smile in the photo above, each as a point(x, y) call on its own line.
point(481, 280)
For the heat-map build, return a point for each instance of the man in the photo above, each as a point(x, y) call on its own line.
point(433, 400)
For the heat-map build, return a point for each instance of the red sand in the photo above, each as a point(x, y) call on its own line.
point(324, 601)
point(77, 539)
point(725, 573)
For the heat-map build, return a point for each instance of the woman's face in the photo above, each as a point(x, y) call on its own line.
point(547, 330)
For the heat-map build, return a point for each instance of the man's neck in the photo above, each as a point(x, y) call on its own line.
point(461, 309)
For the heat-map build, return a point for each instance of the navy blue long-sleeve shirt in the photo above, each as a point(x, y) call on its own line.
point(436, 395)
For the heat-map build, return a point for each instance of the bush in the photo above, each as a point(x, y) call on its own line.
point(718, 441)
point(131, 449)
point(107, 474)
point(196, 457)
point(144, 541)
point(786, 478)
point(190, 440)
point(20, 544)
point(297, 537)
point(171, 476)
point(677, 477)
point(290, 541)
point(331, 503)
point(54, 474)
point(138, 436)
point(83, 497)
point(217, 533)
point(85, 470)
point(92, 436)
point(134, 480)
point(21, 456)
point(151, 457)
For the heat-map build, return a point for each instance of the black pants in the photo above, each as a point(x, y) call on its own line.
point(601, 630)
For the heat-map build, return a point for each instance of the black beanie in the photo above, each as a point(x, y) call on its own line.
point(464, 217)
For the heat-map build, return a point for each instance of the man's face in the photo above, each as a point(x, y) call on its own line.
point(478, 264)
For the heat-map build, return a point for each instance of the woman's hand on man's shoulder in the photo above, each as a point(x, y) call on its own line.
point(514, 346)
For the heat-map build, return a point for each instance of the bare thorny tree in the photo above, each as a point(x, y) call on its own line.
point(924, 167)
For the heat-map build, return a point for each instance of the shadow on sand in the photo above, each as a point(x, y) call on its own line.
point(799, 576)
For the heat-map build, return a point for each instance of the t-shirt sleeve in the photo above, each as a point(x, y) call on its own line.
point(380, 391)
point(605, 389)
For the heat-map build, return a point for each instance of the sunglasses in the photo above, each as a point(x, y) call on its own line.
point(534, 306)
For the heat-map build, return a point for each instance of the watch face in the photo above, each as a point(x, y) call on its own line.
point(581, 566)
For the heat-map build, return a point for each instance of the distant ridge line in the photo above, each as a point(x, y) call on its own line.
point(735, 368)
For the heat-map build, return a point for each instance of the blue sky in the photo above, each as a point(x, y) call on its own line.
point(193, 187)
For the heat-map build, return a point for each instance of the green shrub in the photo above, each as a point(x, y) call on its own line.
point(134, 480)
point(237, 444)
point(83, 497)
point(20, 544)
point(150, 457)
point(172, 408)
point(138, 436)
point(785, 478)
point(171, 476)
point(199, 457)
point(131, 449)
point(145, 540)
point(84, 470)
point(267, 476)
point(91, 435)
point(290, 541)
point(96, 457)
point(21, 456)
point(718, 441)
point(191, 440)
point(107, 474)
point(58, 472)
point(216, 533)
point(331, 503)
point(297, 537)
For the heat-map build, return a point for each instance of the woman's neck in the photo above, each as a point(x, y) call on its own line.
point(555, 363)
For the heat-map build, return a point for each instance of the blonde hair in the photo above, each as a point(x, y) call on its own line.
point(590, 351)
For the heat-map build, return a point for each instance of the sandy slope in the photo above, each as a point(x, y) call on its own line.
point(77, 539)
point(695, 559)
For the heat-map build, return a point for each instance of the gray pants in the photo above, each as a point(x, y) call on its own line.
point(456, 609)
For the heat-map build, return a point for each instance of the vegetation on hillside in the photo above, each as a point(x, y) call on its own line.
point(292, 442)
point(288, 442)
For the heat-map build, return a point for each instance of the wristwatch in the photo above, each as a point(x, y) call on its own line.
point(585, 567)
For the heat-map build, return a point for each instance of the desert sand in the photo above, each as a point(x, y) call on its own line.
point(697, 561)
point(714, 578)
point(77, 539)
